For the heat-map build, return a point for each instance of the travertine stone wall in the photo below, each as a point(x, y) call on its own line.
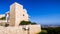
point(17, 14)
point(33, 29)
point(12, 15)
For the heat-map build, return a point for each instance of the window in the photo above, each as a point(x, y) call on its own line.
point(23, 15)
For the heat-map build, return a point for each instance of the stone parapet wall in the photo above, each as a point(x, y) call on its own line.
point(33, 29)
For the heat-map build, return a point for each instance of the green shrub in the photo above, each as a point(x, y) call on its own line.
point(26, 23)
point(3, 18)
point(54, 30)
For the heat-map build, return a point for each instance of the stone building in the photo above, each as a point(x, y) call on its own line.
point(16, 14)
point(13, 17)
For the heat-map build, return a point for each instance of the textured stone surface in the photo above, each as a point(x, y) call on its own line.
point(33, 29)
point(17, 14)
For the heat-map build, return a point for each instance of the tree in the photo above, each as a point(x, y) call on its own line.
point(3, 18)
point(26, 23)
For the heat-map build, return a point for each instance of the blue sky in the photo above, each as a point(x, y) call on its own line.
point(40, 11)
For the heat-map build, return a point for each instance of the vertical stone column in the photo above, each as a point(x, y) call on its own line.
point(12, 15)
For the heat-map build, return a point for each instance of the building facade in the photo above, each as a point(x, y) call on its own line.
point(16, 14)
point(13, 17)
